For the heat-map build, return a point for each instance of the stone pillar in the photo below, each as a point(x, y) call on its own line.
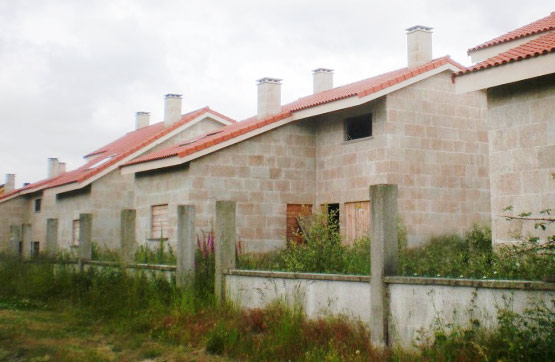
point(85, 236)
point(15, 238)
point(225, 244)
point(51, 236)
point(186, 246)
point(384, 257)
point(26, 240)
point(127, 235)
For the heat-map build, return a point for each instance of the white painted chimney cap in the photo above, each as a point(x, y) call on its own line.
point(322, 70)
point(172, 95)
point(269, 80)
point(418, 27)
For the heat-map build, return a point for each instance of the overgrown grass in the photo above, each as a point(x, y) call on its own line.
point(453, 256)
point(139, 308)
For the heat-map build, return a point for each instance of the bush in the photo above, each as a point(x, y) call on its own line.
point(162, 255)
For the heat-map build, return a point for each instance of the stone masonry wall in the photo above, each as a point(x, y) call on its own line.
point(262, 174)
point(438, 155)
point(12, 212)
point(521, 118)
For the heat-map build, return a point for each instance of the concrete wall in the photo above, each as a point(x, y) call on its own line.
point(262, 174)
point(415, 304)
point(438, 156)
point(521, 119)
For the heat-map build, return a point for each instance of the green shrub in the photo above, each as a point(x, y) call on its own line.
point(104, 254)
point(162, 255)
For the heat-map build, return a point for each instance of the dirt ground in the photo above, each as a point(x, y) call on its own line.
point(45, 335)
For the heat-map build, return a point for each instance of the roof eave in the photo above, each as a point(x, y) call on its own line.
point(505, 73)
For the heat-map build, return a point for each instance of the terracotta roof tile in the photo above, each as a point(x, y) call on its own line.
point(360, 89)
point(114, 152)
point(534, 48)
point(538, 26)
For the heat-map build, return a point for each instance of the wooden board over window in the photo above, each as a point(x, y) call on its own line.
point(357, 220)
point(159, 219)
point(294, 211)
point(75, 232)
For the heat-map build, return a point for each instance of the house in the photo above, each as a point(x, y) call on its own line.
point(517, 71)
point(406, 127)
point(97, 187)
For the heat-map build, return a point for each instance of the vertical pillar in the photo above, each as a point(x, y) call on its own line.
point(225, 244)
point(85, 236)
point(185, 246)
point(384, 257)
point(26, 240)
point(15, 239)
point(51, 236)
point(127, 236)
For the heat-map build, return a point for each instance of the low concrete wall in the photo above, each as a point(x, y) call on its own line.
point(415, 304)
point(151, 270)
point(317, 294)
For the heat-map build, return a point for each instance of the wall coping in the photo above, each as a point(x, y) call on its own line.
point(291, 275)
point(473, 283)
point(132, 266)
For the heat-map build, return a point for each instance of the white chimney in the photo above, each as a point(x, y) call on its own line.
point(53, 167)
point(172, 109)
point(419, 45)
point(322, 80)
point(61, 168)
point(269, 97)
point(142, 119)
point(9, 186)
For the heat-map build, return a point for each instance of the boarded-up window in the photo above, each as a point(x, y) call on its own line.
point(294, 212)
point(159, 221)
point(75, 232)
point(357, 220)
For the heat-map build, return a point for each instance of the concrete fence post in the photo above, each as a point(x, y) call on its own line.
point(51, 236)
point(384, 257)
point(186, 246)
point(225, 244)
point(85, 238)
point(127, 235)
point(26, 240)
point(15, 239)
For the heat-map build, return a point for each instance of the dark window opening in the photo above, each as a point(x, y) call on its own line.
point(35, 248)
point(333, 215)
point(38, 203)
point(358, 127)
point(20, 248)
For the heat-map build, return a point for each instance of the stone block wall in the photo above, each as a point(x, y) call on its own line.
point(521, 118)
point(12, 212)
point(263, 174)
point(438, 155)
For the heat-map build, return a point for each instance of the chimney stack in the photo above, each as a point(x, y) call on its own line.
point(9, 186)
point(61, 168)
point(53, 167)
point(322, 80)
point(269, 97)
point(419, 45)
point(172, 109)
point(142, 119)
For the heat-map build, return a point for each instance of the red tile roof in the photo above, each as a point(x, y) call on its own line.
point(360, 89)
point(534, 48)
point(538, 26)
point(114, 152)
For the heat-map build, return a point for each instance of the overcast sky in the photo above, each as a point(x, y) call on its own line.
point(74, 72)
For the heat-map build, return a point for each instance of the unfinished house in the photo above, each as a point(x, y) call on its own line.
point(97, 187)
point(406, 127)
point(517, 70)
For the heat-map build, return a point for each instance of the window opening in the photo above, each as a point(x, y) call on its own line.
point(358, 127)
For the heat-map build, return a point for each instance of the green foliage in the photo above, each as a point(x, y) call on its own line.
point(322, 251)
point(205, 265)
point(472, 257)
point(104, 254)
point(519, 337)
point(162, 255)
